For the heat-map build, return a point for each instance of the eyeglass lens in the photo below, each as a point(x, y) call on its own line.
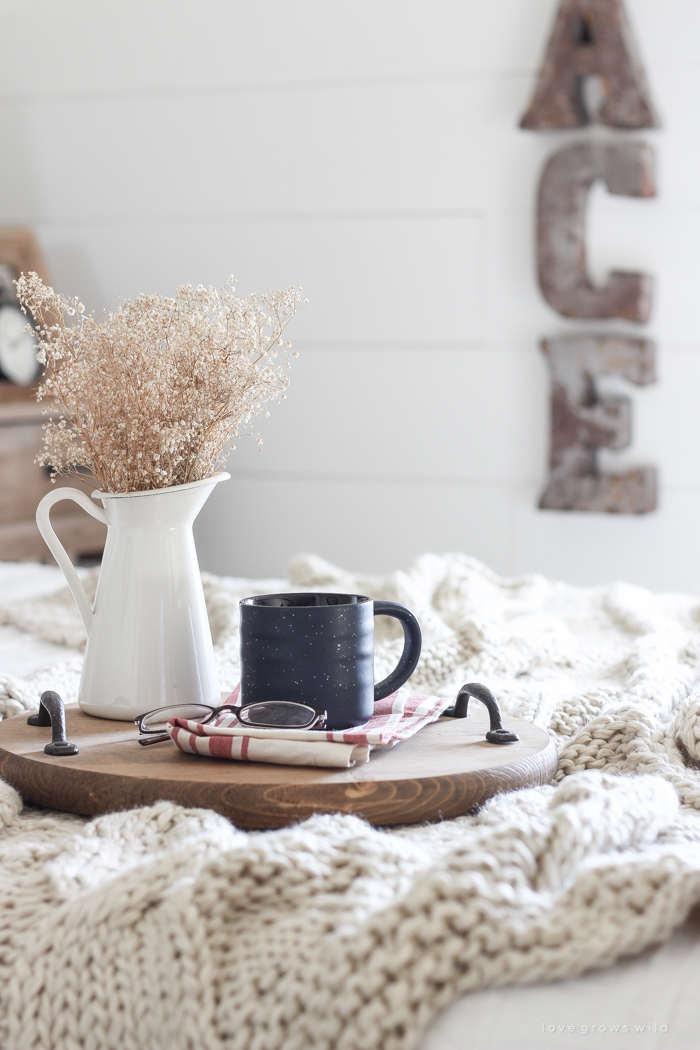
point(156, 720)
point(277, 713)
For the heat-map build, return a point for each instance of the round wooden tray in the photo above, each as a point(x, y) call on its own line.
point(446, 769)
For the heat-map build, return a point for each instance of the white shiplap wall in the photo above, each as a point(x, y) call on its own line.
point(370, 151)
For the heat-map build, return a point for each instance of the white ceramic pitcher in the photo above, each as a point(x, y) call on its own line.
point(149, 642)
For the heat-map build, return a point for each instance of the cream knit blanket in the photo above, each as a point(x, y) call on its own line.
point(168, 928)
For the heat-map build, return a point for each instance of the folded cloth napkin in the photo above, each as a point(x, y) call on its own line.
point(395, 718)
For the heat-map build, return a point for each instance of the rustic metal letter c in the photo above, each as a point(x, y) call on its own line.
point(627, 169)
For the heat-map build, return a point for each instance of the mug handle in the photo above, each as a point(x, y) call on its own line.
point(57, 549)
point(413, 641)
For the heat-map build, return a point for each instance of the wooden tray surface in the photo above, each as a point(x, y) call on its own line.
point(447, 769)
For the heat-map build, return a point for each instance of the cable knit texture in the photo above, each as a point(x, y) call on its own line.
point(168, 928)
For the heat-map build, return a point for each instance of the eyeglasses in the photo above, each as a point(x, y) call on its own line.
point(270, 714)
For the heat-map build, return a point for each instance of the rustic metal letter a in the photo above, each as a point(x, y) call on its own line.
point(591, 41)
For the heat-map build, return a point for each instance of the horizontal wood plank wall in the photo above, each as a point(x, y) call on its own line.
point(371, 152)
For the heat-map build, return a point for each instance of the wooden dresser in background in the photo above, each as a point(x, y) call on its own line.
point(23, 483)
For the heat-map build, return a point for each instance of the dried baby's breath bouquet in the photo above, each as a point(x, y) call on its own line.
point(154, 393)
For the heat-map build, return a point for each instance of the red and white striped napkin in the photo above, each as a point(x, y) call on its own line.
point(395, 718)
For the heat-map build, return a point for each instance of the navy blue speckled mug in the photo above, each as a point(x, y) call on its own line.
point(318, 649)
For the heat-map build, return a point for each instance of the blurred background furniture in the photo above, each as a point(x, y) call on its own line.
point(22, 485)
point(22, 481)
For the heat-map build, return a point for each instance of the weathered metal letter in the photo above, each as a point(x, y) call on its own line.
point(591, 39)
point(627, 168)
point(583, 421)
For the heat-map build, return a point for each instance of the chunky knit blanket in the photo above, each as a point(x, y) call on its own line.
point(169, 928)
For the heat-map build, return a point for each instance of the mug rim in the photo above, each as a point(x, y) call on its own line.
point(256, 601)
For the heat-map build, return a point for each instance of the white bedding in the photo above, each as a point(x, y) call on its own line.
point(655, 992)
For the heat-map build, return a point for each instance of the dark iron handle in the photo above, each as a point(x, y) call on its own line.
point(52, 713)
point(496, 734)
point(413, 641)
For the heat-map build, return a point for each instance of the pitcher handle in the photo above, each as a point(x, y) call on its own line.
point(56, 547)
point(413, 642)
